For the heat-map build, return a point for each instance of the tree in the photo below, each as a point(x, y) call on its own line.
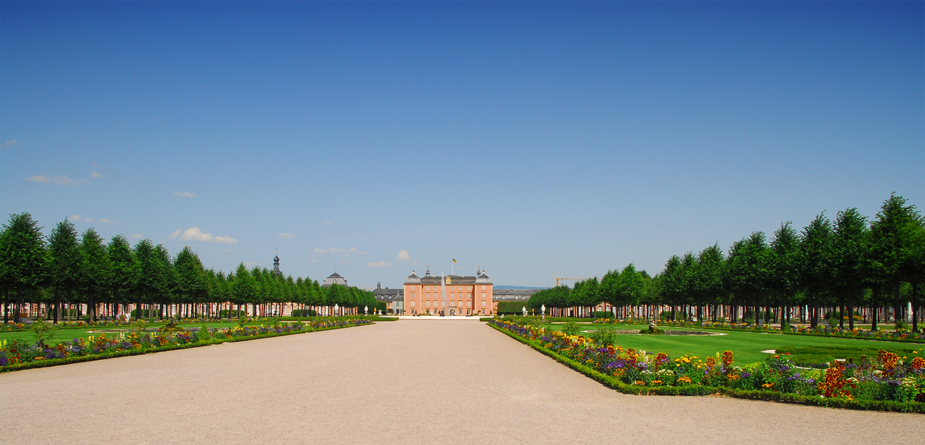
point(64, 262)
point(850, 244)
point(748, 269)
point(243, 287)
point(151, 280)
point(785, 264)
point(191, 281)
point(671, 283)
point(94, 271)
point(892, 253)
point(629, 286)
point(23, 257)
point(709, 287)
point(817, 258)
point(124, 272)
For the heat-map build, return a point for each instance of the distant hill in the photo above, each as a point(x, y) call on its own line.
point(520, 287)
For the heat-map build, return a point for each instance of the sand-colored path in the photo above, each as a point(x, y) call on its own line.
point(410, 381)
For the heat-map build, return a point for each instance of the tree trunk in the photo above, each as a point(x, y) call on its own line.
point(897, 311)
point(850, 308)
point(873, 318)
point(915, 306)
point(19, 303)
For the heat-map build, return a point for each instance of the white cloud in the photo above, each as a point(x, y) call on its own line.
point(105, 220)
point(196, 234)
point(185, 194)
point(225, 240)
point(338, 251)
point(403, 256)
point(80, 218)
point(378, 264)
point(136, 236)
point(64, 180)
point(285, 236)
point(327, 221)
point(96, 175)
point(60, 180)
point(10, 143)
point(174, 234)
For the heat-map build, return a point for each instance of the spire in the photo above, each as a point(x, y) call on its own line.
point(276, 271)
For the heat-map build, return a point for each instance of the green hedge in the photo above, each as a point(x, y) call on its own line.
point(233, 313)
point(304, 313)
point(147, 313)
point(698, 390)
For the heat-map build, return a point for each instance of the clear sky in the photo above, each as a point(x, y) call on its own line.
point(532, 139)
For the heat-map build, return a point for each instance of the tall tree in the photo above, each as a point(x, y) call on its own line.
point(786, 267)
point(850, 244)
point(95, 271)
point(168, 276)
point(150, 282)
point(64, 262)
point(243, 287)
point(893, 247)
point(629, 286)
point(191, 278)
point(123, 269)
point(23, 257)
point(710, 287)
point(817, 258)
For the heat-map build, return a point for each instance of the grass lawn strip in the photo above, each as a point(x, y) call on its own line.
point(748, 346)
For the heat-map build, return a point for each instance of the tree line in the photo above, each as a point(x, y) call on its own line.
point(830, 267)
point(65, 270)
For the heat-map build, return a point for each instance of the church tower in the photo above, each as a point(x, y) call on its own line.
point(276, 271)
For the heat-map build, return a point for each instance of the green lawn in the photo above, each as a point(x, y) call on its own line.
point(747, 346)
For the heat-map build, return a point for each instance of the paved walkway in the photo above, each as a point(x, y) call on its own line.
point(416, 381)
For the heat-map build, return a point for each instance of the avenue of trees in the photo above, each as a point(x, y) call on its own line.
point(848, 265)
point(67, 271)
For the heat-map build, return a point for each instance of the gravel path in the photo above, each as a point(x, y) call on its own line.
point(410, 381)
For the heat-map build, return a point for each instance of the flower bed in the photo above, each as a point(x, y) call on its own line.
point(884, 382)
point(18, 354)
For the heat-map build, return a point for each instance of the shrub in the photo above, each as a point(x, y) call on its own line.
point(679, 315)
point(304, 313)
point(512, 308)
point(571, 328)
point(41, 329)
point(204, 334)
point(225, 313)
point(603, 314)
point(146, 313)
point(604, 336)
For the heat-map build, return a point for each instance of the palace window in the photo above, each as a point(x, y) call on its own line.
point(468, 304)
point(412, 303)
point(483, 303)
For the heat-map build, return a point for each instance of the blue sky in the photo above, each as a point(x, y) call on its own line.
point(532, 139)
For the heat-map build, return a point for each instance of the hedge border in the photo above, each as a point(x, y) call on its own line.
point(698, 390)
point(131, 352)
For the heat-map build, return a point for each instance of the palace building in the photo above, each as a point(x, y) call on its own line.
point(448, 295)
